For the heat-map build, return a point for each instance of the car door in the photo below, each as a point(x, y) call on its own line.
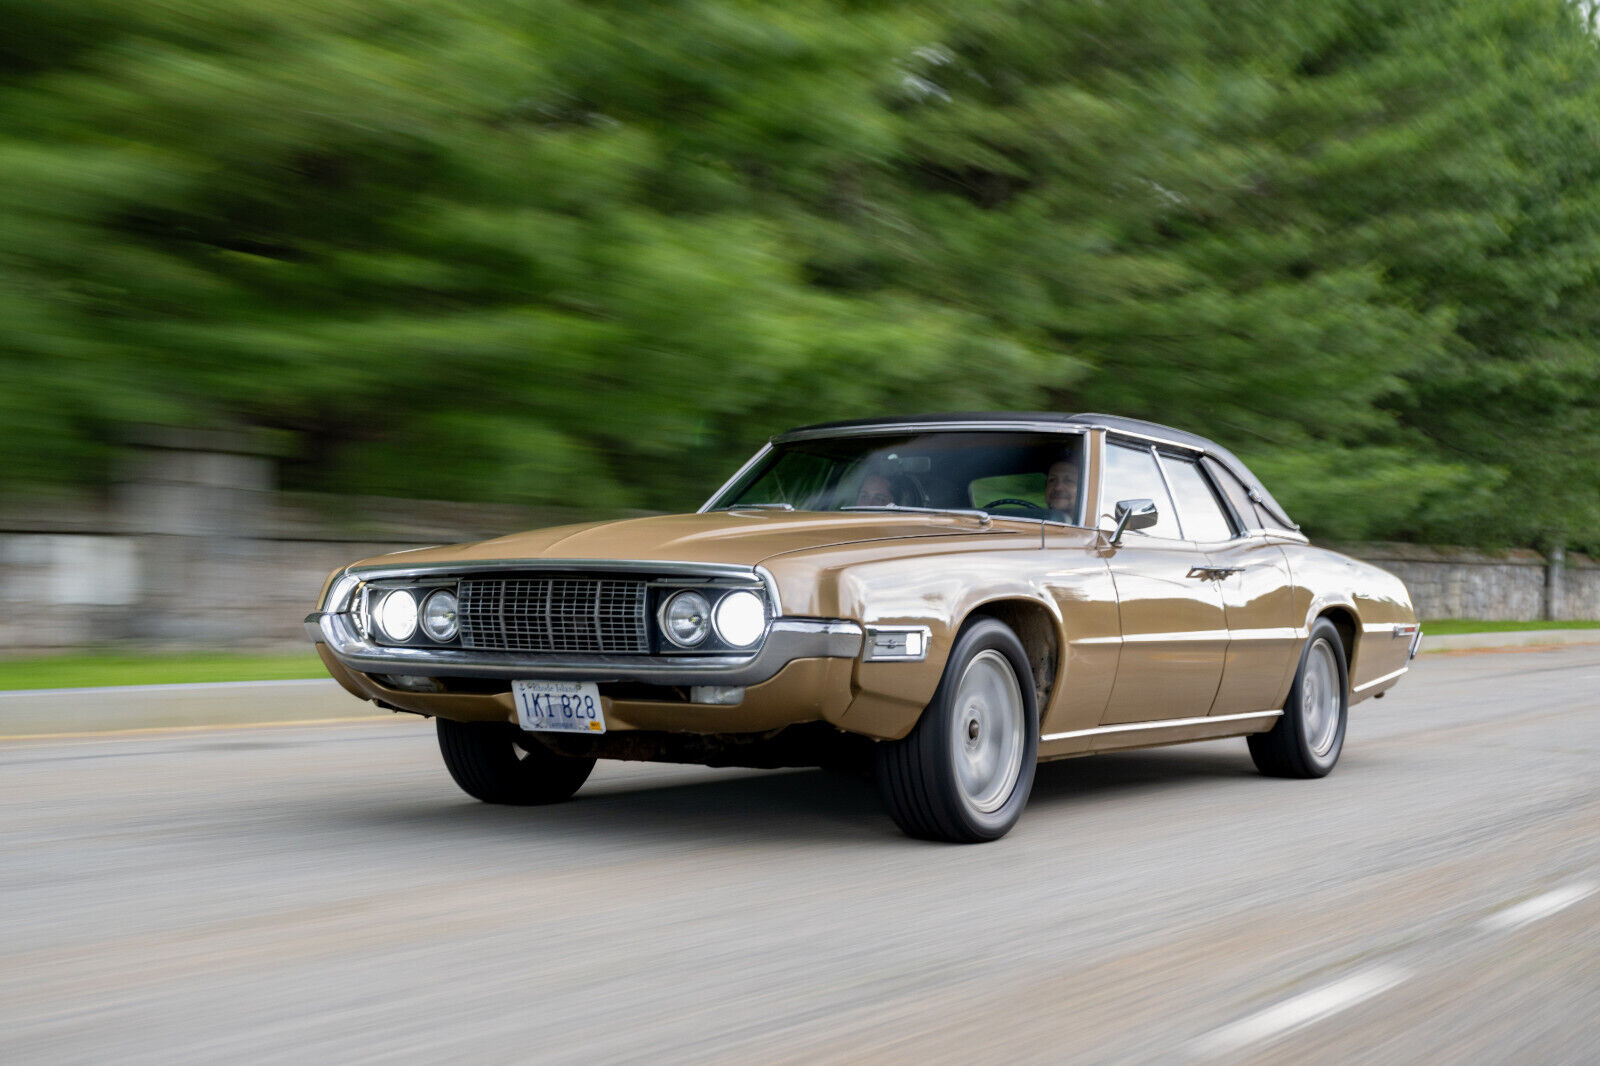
point(1251, 574)
point(1075, 574)
point(1173, 626)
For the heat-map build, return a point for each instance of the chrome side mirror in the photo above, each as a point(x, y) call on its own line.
point(1134, 514)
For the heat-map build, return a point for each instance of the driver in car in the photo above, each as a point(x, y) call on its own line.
point(1061, 486)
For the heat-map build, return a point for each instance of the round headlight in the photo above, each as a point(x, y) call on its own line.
point(686, 619)
point(740, 618)
point(439, 616)
point(397, 615)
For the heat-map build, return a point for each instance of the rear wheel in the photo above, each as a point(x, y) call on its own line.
point(964, 773)
point(1308, 738)
point(499, 763)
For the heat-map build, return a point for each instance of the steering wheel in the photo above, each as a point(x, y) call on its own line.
point(1033, 508)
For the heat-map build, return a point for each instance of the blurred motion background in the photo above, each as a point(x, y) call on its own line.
point(267, 270)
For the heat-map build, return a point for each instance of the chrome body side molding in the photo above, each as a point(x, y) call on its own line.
point(1172, 723)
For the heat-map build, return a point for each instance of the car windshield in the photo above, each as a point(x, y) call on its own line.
point(1014, 474)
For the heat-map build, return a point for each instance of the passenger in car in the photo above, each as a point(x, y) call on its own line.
point(875, 491)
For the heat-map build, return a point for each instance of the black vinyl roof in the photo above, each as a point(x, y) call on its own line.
point(1051, 419)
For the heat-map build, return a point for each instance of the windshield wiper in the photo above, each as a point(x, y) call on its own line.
point(758, 507)
point(983, 517)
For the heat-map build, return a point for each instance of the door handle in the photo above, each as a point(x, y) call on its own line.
point(1214, 573)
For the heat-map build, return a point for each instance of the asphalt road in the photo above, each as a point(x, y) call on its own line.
point(324, 894)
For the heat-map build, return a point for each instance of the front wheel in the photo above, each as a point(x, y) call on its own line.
point(963, 774)
point(499, 763)
point(1308, 738)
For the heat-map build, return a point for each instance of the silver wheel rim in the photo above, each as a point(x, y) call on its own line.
point(989, 730)
point(1319, 699)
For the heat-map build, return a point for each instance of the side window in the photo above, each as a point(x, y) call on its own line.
point(1131, 474)
point(1199, 512)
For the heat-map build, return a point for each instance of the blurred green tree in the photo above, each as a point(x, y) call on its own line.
point(591, 253)
point(1354, 241)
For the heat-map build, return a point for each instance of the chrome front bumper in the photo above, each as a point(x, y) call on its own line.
point(787, 639)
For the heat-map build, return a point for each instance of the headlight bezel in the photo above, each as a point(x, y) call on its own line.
point(715, 594)
point(366, 603)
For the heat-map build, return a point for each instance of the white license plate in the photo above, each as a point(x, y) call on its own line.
point(559, 706)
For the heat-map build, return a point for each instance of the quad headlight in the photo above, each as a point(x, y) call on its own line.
point(686, 619)
point(397, 615)
point(740, 618)
point(439, 619)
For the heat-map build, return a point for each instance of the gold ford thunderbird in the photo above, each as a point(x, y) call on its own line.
point(945, 599)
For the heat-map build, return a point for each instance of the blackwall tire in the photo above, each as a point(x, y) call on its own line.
point(1309, 736)
point(499, 763)
point(963, 774)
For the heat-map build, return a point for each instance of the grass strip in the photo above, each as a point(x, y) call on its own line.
point(1446, 626)
point(120, 667)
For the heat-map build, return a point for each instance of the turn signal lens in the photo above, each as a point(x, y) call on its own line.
point(439, 616)
point(740, 619)
point(397, 615)
point(686, 619)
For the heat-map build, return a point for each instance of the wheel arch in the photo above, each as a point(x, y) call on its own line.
point(1039, 630)
point(1348, 626)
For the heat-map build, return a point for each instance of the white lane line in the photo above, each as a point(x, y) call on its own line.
point(1532, 910)
point(1302, 1010)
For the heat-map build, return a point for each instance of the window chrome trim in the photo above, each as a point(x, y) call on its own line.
point(737, 474)
point(891, 428)
point(1172, 497)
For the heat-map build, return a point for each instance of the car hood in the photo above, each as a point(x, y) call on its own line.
point(739, 537)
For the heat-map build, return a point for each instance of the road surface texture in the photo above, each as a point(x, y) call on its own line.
point(323, 893)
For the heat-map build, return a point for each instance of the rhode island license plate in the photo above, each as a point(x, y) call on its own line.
point(559, 706)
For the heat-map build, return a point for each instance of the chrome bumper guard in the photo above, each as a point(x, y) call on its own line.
point(787, 639)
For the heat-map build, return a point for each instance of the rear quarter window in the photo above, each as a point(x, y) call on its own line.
point(1251, 514)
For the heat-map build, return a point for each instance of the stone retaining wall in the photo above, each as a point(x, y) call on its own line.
point(1508, 586)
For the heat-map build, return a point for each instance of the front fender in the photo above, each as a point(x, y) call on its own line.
point(938, 592)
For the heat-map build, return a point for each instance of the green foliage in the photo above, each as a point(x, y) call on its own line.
point(592, 253)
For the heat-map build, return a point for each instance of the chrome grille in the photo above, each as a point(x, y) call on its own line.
point(554, 614)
